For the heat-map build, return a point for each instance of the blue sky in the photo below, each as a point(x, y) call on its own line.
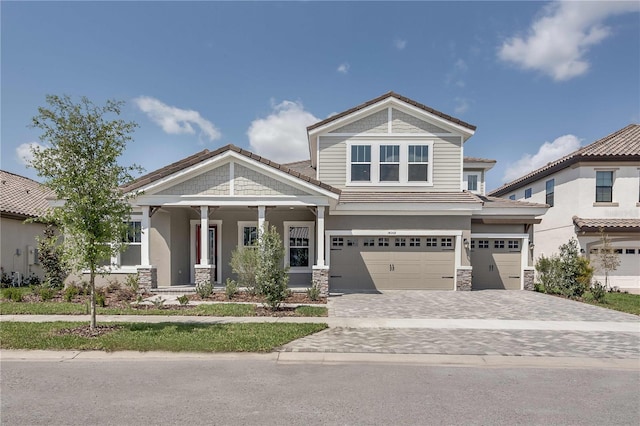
point(538, 79)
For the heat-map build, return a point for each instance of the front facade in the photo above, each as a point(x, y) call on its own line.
point(594, 188)
point(386, 201)
point(20, 199)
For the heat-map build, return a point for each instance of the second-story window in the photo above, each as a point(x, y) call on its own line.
point(361, 163)
point(527, 193)
point(389, 163)
point(418, 163)
point(550, 190)
point(472, 182)
point(604, 186)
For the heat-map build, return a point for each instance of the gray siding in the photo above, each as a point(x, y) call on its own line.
point(212, 182)
point(374, 123)
point(250, 182)
point(447, 172)
point(333, 160)
point(406, 123)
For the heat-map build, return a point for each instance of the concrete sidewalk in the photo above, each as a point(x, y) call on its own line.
point(360, 323)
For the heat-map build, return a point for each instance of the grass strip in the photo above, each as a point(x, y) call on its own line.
point(172, 337)
point(623, 302)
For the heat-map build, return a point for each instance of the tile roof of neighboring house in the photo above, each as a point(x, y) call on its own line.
point(610, 224)
point(21, 196)
point(622, 145)
point(205, 155)
point(407, 197)
point(399, 97)
point(478, 160)
point(497, 202)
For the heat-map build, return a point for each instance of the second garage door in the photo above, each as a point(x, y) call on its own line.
point(496, 264)
point(392, 263)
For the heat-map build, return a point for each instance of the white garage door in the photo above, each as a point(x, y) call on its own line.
point(392, 263)
point(496, 264)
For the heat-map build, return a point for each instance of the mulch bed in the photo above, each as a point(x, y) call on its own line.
point(85, 331)
point(299, 298)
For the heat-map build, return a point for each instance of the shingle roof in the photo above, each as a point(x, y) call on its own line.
point(205, 155)
point(622, 145)
point(406, 197)
point(609, 224)
point(22, 196)
point(399, 97)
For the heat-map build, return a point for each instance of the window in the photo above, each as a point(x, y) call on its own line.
point(512, 196)
point(369, 242)
point(299, 245)
point(383, 242)
point(473, 244)
point(472, 182)
point(414, 242)
point(446, 242)
point(132, 254)
point(389, 163)
point(337, 242)
point(550, 188)
point(514, 244)
point(630, 251)
point(604, 186)
point(361, 163)
point(483, 243)
point(499, 244)
point(352, 242)
point(418, 163)
point(248, 235)
point(431, 242)
point(617, 251)
point(527, 193)
point(401, 242)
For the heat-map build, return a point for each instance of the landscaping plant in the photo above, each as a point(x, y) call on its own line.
point(606, 258)
point(244, 263)
point(567, 273)
point(231, 288)
point(271, 275)
point(183, 300)
point(50, 256)
point(204, 289)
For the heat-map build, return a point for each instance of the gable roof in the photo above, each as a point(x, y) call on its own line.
point(205, 155)
point(608, 225)
point(396, 96)
point(622, 145)
point(22, 197)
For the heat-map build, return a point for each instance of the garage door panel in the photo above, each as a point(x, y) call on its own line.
point(496, 266)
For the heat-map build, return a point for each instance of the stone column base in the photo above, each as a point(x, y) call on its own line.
point(147, 277)
point(529, 276)
point(463, 279)
point(320, 279)
point(205, 274)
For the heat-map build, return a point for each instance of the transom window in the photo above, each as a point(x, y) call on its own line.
point(446, 242)
point(499, 244)
point(604, 186)
point(414, 242)
point(369, 242)
point(337, 242)
point(360, 163)
point(431, 242)
point(352, 242)
point(483, 244)
point(389, 163)
point(514, 244)
point(383, 242)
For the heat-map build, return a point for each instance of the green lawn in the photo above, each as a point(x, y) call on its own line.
point(257, 337)
point(624, 302)
point(214, 310)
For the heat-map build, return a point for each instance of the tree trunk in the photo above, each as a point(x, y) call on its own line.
point(92, 284)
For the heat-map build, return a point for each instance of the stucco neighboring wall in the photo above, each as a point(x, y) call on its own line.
point(17, 235)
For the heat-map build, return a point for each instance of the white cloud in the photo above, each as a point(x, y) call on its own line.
point(461, 65)
point(400, 44)
point(343, 68)
point(282, 135)
point(176, 121)
point(557, 42)
point(24, 152)
point(549, 151)
point(462, 105)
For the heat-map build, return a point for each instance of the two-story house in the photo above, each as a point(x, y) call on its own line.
point(387, 200)
point(594, 188)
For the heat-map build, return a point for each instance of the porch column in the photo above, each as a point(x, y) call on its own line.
point(204, 235)
point(320, 236)
point(261, 217)
point(147, 274)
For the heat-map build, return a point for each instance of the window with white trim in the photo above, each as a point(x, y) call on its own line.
point(389, 163)
point(604, 186)
point(472, 183)
point(132, 254)
point(299, 245)
point(361, 163)
point(248, 233)
point(418, 161)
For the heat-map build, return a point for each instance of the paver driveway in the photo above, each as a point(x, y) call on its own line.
point(496, 304)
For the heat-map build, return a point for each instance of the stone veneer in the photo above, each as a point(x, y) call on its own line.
point(529, 275)
point(320, 279)
point(205, 274)
point(148, 277)
point(463, 280)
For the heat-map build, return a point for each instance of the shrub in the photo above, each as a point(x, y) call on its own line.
point(45, 293)
point(70, 292)
point(598, 291)
point(32, 280)
point(244, 263)
point(100, 299)
point(231, 288)
point(124, 294)
point(204, 289)
point(158, 302)
point(568, 273)
point(183, 300)
point(12, 293)
point(132, 282)
point(313, 292)
point(50, 255)
point(548, 269)
point(271, 275)
point(113, 286)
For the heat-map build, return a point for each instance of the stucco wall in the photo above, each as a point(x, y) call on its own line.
point(17, 235)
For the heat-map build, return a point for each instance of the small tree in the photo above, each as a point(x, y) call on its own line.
point(80, 165)
point(244, 263)
point(271, 276)
point(50, 255)
point(567, 273)
point(607, 258)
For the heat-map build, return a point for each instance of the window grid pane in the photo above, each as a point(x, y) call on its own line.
point(472, 182)
point(604, 187)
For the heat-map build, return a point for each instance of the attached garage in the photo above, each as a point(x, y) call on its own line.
point(373, 263)
point(497, 263)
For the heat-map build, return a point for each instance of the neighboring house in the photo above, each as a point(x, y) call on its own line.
point(386, 201)
point(596, 187)
point(20, 199)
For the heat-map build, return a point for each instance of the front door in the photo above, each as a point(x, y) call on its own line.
point(213, 255)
